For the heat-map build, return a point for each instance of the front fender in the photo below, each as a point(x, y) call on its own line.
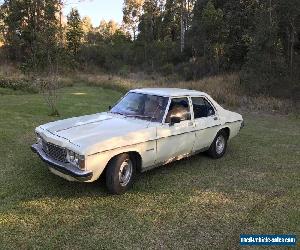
point(97, 162)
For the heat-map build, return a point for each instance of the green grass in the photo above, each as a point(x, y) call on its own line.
point(193, 203)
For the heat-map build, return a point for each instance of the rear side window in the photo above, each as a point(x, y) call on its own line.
point(202, 108)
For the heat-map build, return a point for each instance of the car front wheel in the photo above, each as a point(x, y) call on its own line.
point(120, 173)
point(219, 145)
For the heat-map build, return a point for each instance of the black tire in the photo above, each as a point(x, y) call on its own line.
point(114, 170)
point(215, 150)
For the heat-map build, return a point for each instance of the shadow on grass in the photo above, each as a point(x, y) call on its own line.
point(160, 180)
point(36, 177)
point(175, 194)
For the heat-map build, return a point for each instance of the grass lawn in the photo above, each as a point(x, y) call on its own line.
point(194, 203)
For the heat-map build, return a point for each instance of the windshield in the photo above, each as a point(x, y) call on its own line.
point(142, 106)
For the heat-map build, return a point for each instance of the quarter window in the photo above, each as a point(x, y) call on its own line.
point(202, 108)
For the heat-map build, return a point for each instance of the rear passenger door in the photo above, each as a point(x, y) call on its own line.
point(206, 122)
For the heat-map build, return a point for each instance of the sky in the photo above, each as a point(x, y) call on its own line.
point(98, 10)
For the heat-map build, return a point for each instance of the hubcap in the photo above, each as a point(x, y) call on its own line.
point(220, 144)
point(125, 172)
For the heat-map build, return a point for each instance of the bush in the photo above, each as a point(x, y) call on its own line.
point(185, 71)
point(18, 84)
point(124, 71)
point(167, 69)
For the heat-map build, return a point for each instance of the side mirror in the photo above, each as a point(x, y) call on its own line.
point(109, 108)
point(174, 120)
point(210, 112)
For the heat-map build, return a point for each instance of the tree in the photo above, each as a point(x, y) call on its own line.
point(1, 26)
point(151, 20)
point(32, 36)
point(74, 33)
point(208, 35)
point(87, 26)
point(239, 23)
point(171, 20)
point(265, 62)
point(150, 29)
point(31, 30)
point(289, 30)
point(132, 11)
point(107, 29)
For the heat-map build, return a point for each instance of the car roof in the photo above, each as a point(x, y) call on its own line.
point(169, 92)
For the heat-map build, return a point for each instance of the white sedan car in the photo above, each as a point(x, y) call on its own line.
point(146, 128)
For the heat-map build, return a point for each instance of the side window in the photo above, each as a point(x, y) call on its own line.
point(202, 108)
point(209, 108)
point(179, 107)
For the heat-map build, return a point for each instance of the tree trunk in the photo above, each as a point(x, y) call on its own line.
point(182, 28)
point(292, 48)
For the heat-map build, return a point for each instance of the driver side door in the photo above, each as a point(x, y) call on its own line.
point(174, 141)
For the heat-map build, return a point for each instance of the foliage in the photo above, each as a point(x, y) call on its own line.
point(265, 54)
point(18, 84)
point(269, 62)
point(209, 43)
point(49, 88)
point(31, 32)
point(239, 24)
point(74, 34)
point(2, 26)
point(132, 10)
point(171, 20)
point(260, 39)
point(86, 25)
point(167, 69)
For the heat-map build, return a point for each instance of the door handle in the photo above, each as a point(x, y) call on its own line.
point(190, 124)
point(215, 118)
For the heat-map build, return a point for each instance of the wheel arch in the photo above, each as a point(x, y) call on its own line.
point(134, 155)
point(226, 130)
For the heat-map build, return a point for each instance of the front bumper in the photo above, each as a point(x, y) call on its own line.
point(64, 168)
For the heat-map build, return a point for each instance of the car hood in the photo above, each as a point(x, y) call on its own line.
point(100, 132)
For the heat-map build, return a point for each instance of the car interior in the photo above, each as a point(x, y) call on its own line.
point(202, 108)
point(179, 107)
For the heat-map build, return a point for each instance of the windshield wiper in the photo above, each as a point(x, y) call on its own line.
point(117, 113)
point(137, 116)
point(141, 116)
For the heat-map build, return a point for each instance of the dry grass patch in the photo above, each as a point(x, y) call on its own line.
point(226, 89)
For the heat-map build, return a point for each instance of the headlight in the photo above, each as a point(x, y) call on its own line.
point(71, 156)
point(76, 159)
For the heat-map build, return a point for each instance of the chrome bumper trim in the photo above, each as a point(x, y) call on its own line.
point(64, 168)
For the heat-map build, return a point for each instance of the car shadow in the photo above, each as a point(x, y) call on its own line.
point(64, 189)
point(48, 185)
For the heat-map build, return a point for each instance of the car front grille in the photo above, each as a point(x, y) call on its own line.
point(55, 152)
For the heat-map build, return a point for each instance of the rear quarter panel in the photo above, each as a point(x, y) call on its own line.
point(230, 120)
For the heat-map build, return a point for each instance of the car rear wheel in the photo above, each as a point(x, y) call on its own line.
point(219, 145)
point(120, 173)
